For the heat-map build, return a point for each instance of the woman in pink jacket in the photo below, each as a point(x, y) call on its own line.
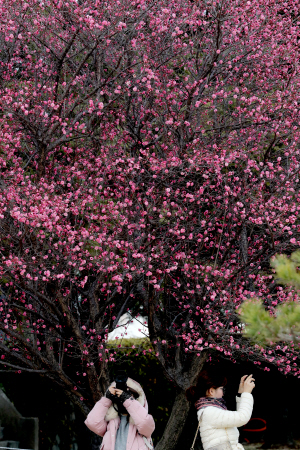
point(122, 420)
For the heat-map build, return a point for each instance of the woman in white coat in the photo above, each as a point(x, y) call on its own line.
point(218, 426)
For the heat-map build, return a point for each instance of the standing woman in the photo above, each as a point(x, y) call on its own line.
point(121, 418)
point(218, 426)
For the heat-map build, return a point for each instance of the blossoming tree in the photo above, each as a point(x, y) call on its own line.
point(149, 158)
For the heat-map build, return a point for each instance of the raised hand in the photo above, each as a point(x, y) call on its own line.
point(241, 386)
point(118, 392)
point(112, 390)
point(249, 384)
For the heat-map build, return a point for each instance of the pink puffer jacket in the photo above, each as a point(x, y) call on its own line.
point(104, 420)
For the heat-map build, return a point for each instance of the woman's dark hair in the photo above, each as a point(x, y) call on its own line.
point(210, 378)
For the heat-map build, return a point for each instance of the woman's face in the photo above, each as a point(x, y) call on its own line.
point(216, 393)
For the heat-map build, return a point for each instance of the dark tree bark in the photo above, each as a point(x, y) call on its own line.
point(173, 430)
point(181, 407)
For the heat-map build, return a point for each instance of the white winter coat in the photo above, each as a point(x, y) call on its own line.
point(218, 425)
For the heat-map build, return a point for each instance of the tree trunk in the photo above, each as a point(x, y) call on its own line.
point(175, 423)
point(181, 407)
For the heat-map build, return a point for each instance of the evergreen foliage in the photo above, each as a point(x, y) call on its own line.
point(283, 323)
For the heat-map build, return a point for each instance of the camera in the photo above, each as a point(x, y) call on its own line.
point(121, 380)
point(121, 383)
